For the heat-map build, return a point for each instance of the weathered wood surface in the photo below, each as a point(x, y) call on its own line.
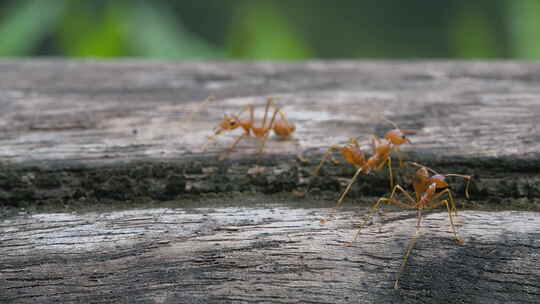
point(118, 131)
point(73, 110)
point(266, 255)
point(78, 134)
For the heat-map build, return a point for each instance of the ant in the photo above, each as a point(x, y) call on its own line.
point(279, 124)
point(381, 157)
point(382, 148)
point(426, 197)
point(422, 182)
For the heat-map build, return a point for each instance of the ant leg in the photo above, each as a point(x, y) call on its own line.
point(374, 142)
point(353, 179)
point(267, 130)
point(452, 201)
point(407, 196)
point(390, 174)
point(268, 103)
point(321, 163)
point(406, 257)
point(283, 117)
point(398, 203)
point(458, 239)
point(374, 209)
point(404, 192)
point(451, 198)
point(366, 219)
point(231, 149)
point(419, 218)
point(398, 153)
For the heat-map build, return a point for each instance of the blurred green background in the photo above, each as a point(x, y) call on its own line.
point(265, 29)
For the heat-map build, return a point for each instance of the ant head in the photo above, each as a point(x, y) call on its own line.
point(396, 137)
point(229, 122)
point(439, 181)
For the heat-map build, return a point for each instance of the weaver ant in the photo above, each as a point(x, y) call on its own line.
point(426, 197)
point(278, 123)
point(382, 148)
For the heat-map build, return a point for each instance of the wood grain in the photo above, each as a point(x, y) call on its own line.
point(274, 254)
point(122, 110)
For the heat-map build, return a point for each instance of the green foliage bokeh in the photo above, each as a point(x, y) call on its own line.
point(271, 29)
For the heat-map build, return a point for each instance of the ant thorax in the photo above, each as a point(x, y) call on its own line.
point(383, 147)
point(353, 155)
point(372, 163)
point(259, 132)
point(229, 122)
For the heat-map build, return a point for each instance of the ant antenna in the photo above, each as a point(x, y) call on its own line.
point(422, 166)
point(468, 178)
point(391, 122)
point(204, 102)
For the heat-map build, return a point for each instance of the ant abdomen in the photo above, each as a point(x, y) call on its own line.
point(283, 129)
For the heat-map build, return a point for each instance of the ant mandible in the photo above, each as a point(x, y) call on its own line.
point(280, 125)
point(426, 197)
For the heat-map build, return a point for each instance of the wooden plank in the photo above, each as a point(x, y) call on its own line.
point(81, 135)
point(274, 254)
point(76, 130)
point(73, 110)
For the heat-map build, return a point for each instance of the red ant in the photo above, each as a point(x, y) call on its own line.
point(422, 182)
point(382, 147)
point(280, 125)
point(427, 197)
